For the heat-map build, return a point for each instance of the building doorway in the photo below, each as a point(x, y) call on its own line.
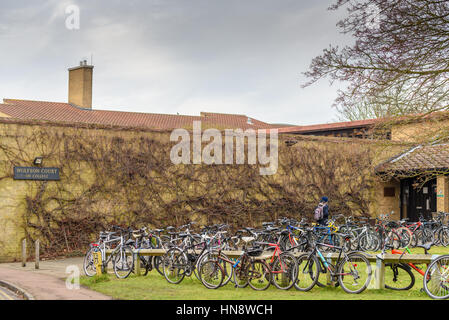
point(417, 200)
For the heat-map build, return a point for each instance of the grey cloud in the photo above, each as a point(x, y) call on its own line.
point(173, 56)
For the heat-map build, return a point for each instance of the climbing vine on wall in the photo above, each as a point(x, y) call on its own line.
point(127, 178)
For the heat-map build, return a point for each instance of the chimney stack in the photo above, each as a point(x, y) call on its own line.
point(80, 85)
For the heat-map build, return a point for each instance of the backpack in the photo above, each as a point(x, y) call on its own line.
point(319, 212)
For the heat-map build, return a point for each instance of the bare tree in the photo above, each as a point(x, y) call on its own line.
point(399, 62)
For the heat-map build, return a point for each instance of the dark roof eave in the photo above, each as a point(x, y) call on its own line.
point(299, 131)
point(409, 172)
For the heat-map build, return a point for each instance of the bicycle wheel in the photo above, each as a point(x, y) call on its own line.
point(436, 278)
point(416, 236)
point(259, 276)
point(241, 279)
point(123, 262)
point(444, 236)
point(145, 265)
point(394, 240)
point(227, 269)
point(354, 273)
point(211, 274)
point(283, 271)
point(88, 264)
point(308, 270)
point(174, 265)
point(427, 236)
point(289, 242)
point(405, 236)
point(398, 277)
point(351, 243)
point(233, 243)
point(157, 264)
point(421, 237)
point(369, 242)
point(347, 243)
point(437, 236)
point(207, 255)
point(323, 276)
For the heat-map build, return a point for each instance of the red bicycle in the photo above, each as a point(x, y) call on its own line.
point(282, 266)
point(399, 276)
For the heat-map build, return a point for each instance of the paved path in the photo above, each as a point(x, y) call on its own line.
point(48, 282)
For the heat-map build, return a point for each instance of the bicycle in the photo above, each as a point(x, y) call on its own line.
point(245, 270)
point(436, 278)
point(282, 266)
point(143, 240)
point(345, 270)
point(105, 241)
point(182, 261)
point(122, 255)
point(399, 276)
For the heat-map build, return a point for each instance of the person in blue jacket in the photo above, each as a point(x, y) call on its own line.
point(323, 221)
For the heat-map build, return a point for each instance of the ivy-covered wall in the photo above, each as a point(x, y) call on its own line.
point(123, 176)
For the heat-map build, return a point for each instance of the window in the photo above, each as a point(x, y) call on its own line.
point(389, 191)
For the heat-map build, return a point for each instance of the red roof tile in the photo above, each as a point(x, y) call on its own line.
point(419, 158)
point(57, 111)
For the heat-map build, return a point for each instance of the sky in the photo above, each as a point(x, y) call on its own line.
point(174, 56)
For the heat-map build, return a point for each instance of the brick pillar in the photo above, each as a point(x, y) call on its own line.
point(442, 193)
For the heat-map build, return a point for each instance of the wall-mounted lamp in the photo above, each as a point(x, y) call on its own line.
point(38, 161)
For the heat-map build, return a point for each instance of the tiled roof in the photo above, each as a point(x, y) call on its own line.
point(57, 111)
point(411, 118)
point(419, 158)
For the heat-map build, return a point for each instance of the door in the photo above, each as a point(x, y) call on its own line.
point(419, 200)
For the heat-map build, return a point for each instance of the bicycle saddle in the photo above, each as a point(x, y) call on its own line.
point(248, 239)
point(137, 235)
point(254, 252)
point(426, 246)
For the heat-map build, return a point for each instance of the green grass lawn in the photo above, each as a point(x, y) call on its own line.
point(155, 287)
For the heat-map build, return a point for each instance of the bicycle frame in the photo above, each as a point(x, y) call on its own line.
point(277, 253)
point(328, 232)
point(324, 261)
point(102, 248)
point(419, 270)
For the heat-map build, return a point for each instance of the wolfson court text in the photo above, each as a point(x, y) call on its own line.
point(33, 173)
